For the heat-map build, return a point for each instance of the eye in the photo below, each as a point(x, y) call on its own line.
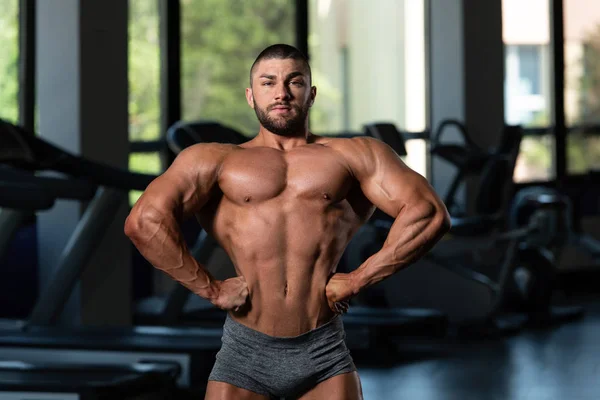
point(267, 83)
point(297, 83)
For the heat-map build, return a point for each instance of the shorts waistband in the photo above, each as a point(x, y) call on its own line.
point(332, 326)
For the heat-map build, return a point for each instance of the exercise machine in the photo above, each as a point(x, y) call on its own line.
point(61, 379)
point(470, 160)
point(65, 381)
point(531, 279)
point(40, 338)
point(534, 281)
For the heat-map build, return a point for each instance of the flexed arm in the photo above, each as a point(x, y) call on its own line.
point(421, 218)
point(153, 224)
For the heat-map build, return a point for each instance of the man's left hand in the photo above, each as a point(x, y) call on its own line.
point(339, 290)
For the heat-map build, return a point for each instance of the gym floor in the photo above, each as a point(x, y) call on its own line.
point(558, 363)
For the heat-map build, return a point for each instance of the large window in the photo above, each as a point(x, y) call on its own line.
point(528, 83)
point(220, 40)
point(369, 65)
point(9, 60)
point(582, 84)
point(144, 83)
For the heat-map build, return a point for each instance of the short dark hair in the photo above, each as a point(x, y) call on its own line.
point(281, 51)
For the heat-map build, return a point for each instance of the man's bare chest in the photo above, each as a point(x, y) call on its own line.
point(312, 173)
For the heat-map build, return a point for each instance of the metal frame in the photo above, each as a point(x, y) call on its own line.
point(585, 129)
point(560, 131)
point(428, 88)
point(302, 27)
point(169, 15)
point(81, 246)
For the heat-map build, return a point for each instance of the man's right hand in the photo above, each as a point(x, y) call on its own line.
point(233, 294)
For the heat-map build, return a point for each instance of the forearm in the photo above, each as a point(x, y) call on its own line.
point(158, 238)
point(414, 232)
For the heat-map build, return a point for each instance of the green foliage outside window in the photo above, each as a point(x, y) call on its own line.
point(220, 40)
point(144, 70)
point(9, 60)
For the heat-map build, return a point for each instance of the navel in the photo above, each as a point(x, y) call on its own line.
point(326, 196)
point(247, 199)
point(285, 289)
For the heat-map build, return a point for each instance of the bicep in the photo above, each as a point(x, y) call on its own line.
point(390, 184)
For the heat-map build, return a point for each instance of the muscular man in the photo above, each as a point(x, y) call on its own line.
point(284, 205)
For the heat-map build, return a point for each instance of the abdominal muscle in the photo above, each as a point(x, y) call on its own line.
point(274, 312)
point(286, 260)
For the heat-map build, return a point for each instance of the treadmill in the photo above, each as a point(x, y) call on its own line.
point(64, 381)
point(61, 379)
point(365, 326)
point(39, 339)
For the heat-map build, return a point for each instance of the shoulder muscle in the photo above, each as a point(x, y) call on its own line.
point(190, 179)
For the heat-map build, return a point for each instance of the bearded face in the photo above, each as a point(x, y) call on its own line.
point(281, 95)
point(283, 119)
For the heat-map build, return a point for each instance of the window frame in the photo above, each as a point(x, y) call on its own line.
point(558, 129)
point(170, 82)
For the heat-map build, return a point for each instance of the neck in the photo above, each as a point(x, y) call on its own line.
point(269, 139)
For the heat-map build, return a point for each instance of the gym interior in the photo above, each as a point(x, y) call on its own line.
point(496, 103)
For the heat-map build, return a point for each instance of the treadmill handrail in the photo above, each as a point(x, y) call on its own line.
point(42, 155)
point(105, 175)
point(24, 196)
point(75, 189)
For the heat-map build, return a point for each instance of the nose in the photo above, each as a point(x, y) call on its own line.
point(282, 92)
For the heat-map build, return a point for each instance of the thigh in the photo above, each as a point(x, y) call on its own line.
point(340, 387)
point(224, 391)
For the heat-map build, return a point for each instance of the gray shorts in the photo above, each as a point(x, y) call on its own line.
point(281, 366)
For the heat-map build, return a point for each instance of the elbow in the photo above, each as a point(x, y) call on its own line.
point(436, 218)
point(442, 220)
point(140, 223)
point(133, 225)
point(432, 218)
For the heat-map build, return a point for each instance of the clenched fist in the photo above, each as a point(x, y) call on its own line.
point(233, 293)
point(339, 291)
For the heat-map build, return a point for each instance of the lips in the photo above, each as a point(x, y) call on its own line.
point(281, 107)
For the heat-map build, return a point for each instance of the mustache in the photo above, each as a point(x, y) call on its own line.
point(272, 106)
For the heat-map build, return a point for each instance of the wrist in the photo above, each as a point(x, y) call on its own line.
point(365, 275)
point(210, 291)
point(357, 282)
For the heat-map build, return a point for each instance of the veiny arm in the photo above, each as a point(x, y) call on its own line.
point(421, 218)
point(153, 224)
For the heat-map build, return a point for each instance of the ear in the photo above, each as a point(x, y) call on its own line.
point(313, 95)
point(250, 97)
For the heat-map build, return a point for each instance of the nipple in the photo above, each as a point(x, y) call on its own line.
point(326, 196)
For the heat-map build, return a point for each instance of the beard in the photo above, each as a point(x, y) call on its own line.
point(282, 125)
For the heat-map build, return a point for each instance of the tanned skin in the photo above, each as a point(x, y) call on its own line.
point(284, 207)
